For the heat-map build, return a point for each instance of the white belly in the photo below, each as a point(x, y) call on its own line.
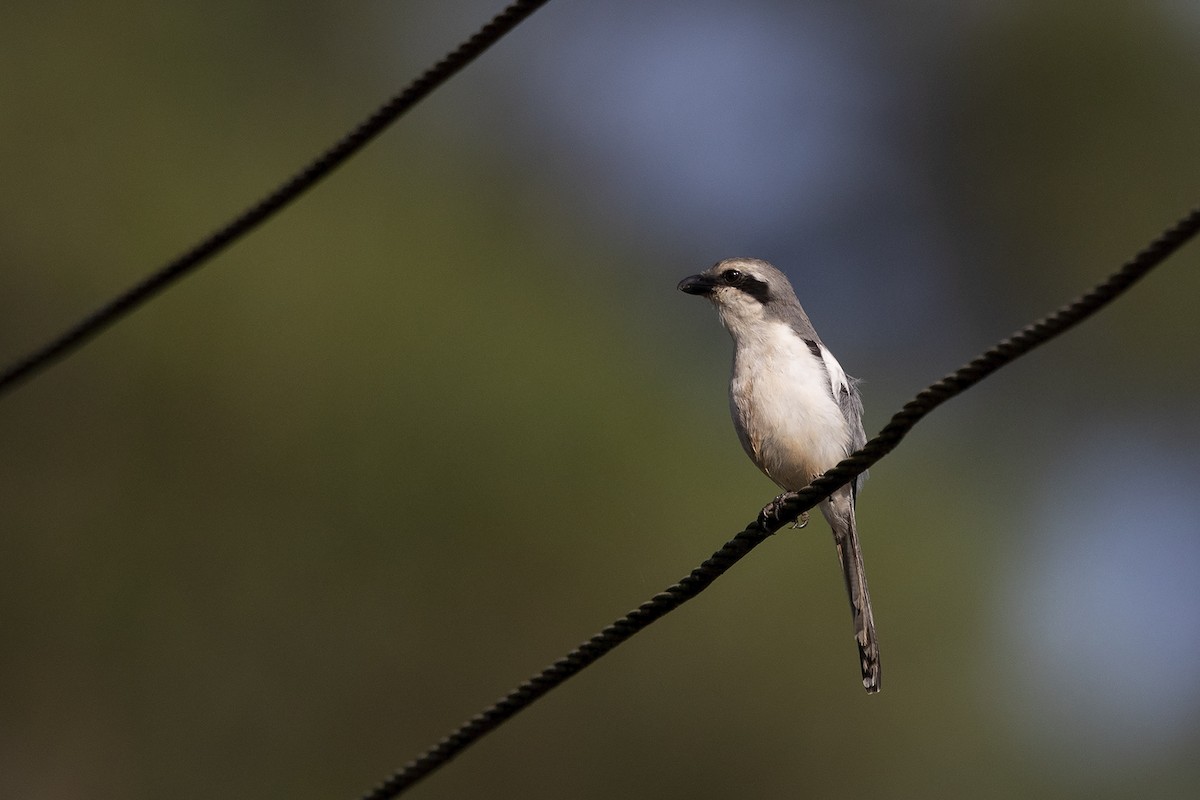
point(783, 408)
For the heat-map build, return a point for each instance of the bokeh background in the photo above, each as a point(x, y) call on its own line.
point(447, 416)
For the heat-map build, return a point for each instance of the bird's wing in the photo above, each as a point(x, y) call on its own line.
point(850, 402)
point(844, 390)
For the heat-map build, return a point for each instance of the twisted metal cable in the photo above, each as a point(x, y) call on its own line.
point(1005, 352)
point(776, 514)
point(260, 212)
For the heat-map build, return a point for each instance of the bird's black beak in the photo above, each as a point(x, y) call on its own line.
point(696, 284)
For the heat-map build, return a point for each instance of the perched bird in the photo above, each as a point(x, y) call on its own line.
point(796, 411)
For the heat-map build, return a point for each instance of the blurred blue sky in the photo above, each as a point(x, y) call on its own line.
point(1101, 607)
point(717, 129)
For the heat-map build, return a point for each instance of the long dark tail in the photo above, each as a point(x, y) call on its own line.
point(839, 510)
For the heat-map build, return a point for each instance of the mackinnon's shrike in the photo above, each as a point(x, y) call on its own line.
point(796, 411)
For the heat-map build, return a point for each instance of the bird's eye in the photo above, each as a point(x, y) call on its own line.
point(731, 276)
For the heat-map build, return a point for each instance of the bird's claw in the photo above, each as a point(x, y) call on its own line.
point(775, 510)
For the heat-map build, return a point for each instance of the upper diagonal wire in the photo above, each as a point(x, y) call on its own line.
point(774, 516)
point(95, 322)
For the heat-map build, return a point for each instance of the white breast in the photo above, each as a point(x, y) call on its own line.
point(782, 400)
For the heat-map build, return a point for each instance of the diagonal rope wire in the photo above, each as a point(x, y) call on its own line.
point(774, 516)
point(260, 212)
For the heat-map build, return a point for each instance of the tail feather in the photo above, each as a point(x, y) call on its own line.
point(839, 510)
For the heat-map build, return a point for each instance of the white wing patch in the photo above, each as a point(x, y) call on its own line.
point(838, 382)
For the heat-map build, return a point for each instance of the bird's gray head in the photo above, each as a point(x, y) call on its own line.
point(748, 293)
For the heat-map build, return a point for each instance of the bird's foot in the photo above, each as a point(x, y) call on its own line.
point(776, 511)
